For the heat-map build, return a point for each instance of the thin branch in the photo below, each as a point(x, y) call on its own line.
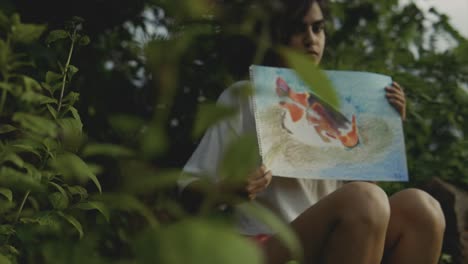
point(66, 70)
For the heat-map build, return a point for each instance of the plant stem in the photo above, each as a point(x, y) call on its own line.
point(4, 92)
point(66, 70)
point(19, 213)
point(21, 206)
point(6, 76)
point(2, 102)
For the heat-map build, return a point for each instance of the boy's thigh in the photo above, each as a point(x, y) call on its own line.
point(316, 224)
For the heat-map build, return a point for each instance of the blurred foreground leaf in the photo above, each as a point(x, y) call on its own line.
point(7, 193)
point(282, 230)
point(72, 166)
point(312, 76)
point(36, 124)
point(128, 203)
point(110, 150)
point(240, 159)
point(95, 205)
point(27, 33)
point(208, 115)
point(196, 241)
point(72, 220)
point(55, 35)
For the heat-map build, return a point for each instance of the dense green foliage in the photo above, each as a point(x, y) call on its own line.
point(89, 159)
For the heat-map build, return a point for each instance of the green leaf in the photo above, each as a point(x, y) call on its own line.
point(209, 114)
point(59, 188)
point(37, 98)
point(4, 58)
point(36, 124)
point(126, 125)
point(6, 207)
point(95, 149)
point(7, 129)
point(72, 70)
point(95, 205)
point(27, 33)
point(282, 229)
point(50, 147)
point(139, 178)
point(17, 180)
point(154, 140)
point(7, 193)
point(128, 203)
point(34, 203)
point(44, 219)
point(15, 19)
point(74, 113)
point(4, 259)
point(71, 133)
point(55, 35)
point(77, 20)
point(13, 158)
point(196, 238)
point(52, 111)
point(78, 190)
point(84, 41)
point(71, 98)
point(6, 86)
point(7, 230)
point(312, 76)
point(52, 77)
point(58, 201)
point(30, 84)
point(240, 159)
point(20, 146)
point(72, 220)
point(72, 166)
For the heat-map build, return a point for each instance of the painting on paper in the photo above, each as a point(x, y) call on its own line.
point(302, 136)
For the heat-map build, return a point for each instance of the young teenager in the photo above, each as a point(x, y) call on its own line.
point(335, 222)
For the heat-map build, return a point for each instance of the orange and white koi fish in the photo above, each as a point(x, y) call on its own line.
point(328, 123)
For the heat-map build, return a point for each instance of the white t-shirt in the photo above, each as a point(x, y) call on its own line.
point(287, 197)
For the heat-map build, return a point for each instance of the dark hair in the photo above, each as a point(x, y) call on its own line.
point(286, 18)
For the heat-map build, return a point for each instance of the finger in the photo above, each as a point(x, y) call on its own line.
point(393, 90)
point(398, 97)
point(396, 103)
point(258, 173)
point(269, 177)
point(261, 178)
point(397, 85)
point(400, 109)
point(258, 188)
point(260, 184)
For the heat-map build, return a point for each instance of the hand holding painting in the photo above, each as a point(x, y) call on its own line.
point(396, 97)
point(258, 181)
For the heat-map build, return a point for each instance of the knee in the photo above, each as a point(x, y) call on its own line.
point(366, 205)
point(419, 210)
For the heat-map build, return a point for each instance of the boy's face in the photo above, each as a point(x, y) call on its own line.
point(310, 37)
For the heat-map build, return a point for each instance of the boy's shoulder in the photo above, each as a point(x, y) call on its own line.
point(231, 95)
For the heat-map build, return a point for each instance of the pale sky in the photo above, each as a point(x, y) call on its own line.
point(457, 11)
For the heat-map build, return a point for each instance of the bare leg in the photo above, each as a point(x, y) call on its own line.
point(347, 226)
point(416, 228)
